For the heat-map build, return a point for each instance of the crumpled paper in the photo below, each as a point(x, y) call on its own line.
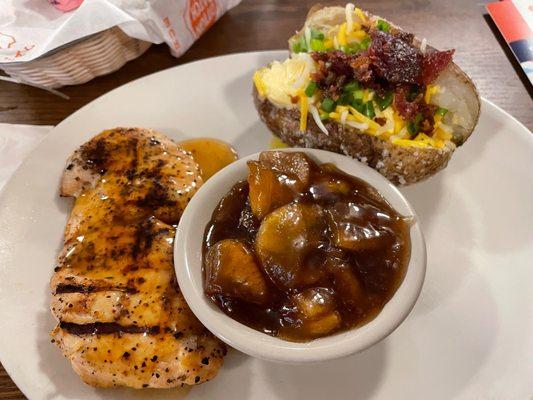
point(29, 29)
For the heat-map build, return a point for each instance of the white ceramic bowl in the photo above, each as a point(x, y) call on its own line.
point(188, 264)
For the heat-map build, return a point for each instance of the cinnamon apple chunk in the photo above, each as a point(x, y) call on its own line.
point(231, 270)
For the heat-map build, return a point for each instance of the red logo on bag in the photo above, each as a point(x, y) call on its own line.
point(172, 34)
point(201, 14)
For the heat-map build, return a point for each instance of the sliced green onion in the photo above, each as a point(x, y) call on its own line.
point(328, 105)
point(317, 45)
point(385, 101)
point(441, 111)
point(316, 34)
point(351, 48)
point(383, 25)
point(358, 105)
point(368, 110)
point(350, 87)
point(346, 98)
point(296, 48)
point(324, 115)
point(365, 43)
point(358, 94)
point(300, 46)
point(413, 127)
point(310, 89)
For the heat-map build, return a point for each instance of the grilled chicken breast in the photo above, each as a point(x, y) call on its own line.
point(122, 318)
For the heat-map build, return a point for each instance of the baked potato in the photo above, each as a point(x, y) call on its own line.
point(359, 85)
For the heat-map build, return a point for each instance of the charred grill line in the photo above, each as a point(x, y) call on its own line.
point(105, 328)
point(71, 288)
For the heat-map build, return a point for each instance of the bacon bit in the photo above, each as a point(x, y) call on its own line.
point(407, 109)
point(394, 59)
point(362, 67)
point(294, 99)
point(333, 70)
point(426, 126)
point(381, 121)
point(434, 63)
point(406, 37)
point(335, 61)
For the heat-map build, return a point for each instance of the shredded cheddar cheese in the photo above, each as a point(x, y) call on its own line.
point(422, 137)
point(399, 123)
point(304, 109)
point(441, 134)
point(387, 130)
point(277, 143)
point(360, 14)
point(260, 86)
point(409, 143)
point(421, 140)
point(430, 91)
point(357, 35)
point(438, 120)
point(341, 36)
point(368, 95)
point(373, 126)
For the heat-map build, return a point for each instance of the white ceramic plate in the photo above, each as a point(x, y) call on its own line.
point(470, 336)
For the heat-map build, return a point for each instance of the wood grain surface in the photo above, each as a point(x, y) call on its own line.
point(266, 24)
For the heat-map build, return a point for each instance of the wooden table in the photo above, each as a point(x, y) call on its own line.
point(266, 24)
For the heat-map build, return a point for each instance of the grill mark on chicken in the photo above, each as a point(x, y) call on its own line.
point(115, 294)
point(69, 288)
point(103, 328)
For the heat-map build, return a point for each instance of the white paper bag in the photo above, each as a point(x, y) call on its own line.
point(29, 29)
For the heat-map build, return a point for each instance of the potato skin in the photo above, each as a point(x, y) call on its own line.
point(401, 165)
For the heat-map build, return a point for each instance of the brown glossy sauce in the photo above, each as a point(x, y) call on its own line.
point(336, 275)
point(210, 154)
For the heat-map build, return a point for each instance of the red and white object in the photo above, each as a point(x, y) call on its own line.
point(514, 19)
point(29, 30)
